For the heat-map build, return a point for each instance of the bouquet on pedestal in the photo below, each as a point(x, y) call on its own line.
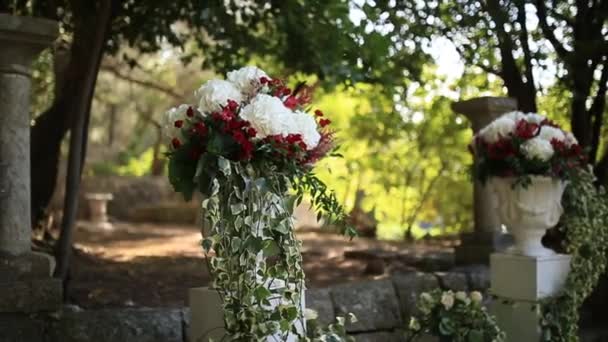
point(249, 147)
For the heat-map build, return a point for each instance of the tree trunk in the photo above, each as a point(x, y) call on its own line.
point(94, 27)
point(51, 126)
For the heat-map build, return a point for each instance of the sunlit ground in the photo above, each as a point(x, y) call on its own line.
point(154, 265)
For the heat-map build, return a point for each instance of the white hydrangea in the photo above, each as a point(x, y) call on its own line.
point(535, 118)
point(305, 125)
point(268, 116)
point(549, 133)
point(172, 115)
point(215, 93)
point(570, 139)
point(499, 128)
point(246, 79)
point(537, 148)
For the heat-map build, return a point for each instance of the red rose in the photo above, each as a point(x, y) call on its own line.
point(291, 102)
point(526, 130)
point(179, 123)
point(190, 112)
point(232, 105)
point(201, 129)
point(318, 113)
point(251, 132)
point(324, 122)
point(176, 143)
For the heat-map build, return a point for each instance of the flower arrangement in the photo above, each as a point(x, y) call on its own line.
point(522, 145)
point(454, 317)
point(249, 147)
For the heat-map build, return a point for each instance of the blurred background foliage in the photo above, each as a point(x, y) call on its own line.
point(385, 72)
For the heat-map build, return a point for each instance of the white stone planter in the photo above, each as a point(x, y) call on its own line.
point(207, 319)
point(529, 212)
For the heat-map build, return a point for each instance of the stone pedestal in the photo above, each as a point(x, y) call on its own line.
point(98, 212)
point(25, 283)
point(487, 236)
point(519, 282)
point(207, 317)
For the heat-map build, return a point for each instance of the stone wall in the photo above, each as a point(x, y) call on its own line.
point(382, 307)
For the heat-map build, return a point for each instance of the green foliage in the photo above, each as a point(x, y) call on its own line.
point(454, 317)
point(585, 225)
point(257, 266)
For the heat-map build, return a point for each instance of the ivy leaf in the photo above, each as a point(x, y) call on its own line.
point(237, 208)
point(271, 248)
point(261, 293)
point(207, 244)
point(224, 166)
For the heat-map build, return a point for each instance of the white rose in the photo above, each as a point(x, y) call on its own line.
point(461, 296)
point(476, 297)
point(215, 93)
point(172, 115)
point(310, 314)
point(447, 299)
point(499, 128)
point(537, 148)
point(549, 133)
point(246, 79)
point(535, 118)
point(515, 115)
point(570, 139)
point(305, 125)
point(268, 116)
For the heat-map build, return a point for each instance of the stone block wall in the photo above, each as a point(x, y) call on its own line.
point(382, 306)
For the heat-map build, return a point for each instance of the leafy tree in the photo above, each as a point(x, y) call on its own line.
point(519, 41)
point(312, 36)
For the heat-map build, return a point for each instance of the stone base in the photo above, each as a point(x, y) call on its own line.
point(26, 266)
point(29, 296)
point(96, 227)
point(519, 319)
point(207, 319)
point(476, 248)
point(526, 278)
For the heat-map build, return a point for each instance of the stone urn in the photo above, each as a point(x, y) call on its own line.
point(529, 211)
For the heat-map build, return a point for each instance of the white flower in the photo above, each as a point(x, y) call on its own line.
point(268, 116)
point(414, 324)
point(535, 118)
point(426, 297)
point(447, 299)
point(476, 297)
point(215, 93)
point(499, 128)
point(537, 148)
point(461, 296)
point(246, 79)
point(549, 133)
point(310, 314)
point(305, 125)
point(515, 115)
point(172, 115)
point(570, 139)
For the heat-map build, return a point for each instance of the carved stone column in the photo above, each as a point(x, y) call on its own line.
point(25, 282)
point(486, 237)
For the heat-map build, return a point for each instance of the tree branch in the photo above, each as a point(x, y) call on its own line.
point(597, 111)
point(144, 83)
point(548, 30)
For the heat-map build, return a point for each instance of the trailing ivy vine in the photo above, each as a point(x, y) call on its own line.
point(585, 226)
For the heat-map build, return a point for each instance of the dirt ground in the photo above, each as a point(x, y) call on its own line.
point(154, 265)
